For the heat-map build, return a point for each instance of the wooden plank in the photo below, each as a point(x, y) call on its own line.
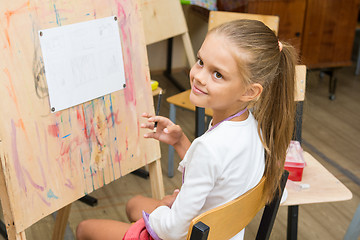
point(60, 223)
point(188, 49)
point(163, 19)
point(218, 17)
point(157, 185)
point(6, 208)
point(300, 81)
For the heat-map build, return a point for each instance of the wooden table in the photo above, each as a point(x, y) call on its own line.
point(324, 187)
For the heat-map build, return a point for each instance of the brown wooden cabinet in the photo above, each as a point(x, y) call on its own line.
point(323, 31)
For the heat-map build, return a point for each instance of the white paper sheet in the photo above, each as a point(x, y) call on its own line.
point(83, 61)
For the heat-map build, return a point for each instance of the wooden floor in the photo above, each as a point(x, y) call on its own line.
point(331, 132)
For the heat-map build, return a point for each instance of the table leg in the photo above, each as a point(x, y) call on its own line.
point(292, 225)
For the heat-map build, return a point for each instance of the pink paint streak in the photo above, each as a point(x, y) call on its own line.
point(118, 157)
point(127, 41)
point(17, 165)
point(115, 117)
point(43, 199)
point(32, 182)
point(54, 130)
point(69, 184)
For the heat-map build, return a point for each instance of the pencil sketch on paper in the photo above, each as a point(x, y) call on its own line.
point(83, 61)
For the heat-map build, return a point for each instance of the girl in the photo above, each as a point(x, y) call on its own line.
point(241, 65)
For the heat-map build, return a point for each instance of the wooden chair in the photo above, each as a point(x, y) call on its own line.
point(229, 219)
point(182, 99)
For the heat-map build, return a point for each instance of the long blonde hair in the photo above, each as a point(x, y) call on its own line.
point(274, 69)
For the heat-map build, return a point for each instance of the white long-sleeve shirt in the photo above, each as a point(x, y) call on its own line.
point(218, 167)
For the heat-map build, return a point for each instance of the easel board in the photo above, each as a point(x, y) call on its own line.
point(51, 159)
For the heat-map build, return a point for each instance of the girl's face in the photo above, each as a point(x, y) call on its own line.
point(215, 78)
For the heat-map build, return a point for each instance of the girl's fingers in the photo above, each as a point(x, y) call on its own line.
point(149, 135)
point(146, 115)
point(147, 125)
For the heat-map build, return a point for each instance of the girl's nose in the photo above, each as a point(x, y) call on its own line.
point(200, 76)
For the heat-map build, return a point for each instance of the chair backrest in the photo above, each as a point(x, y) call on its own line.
point(229, 219)
point(217, 17)
point(241, 210)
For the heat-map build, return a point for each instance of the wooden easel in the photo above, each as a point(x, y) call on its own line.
point(49, 160)
point(164, 20)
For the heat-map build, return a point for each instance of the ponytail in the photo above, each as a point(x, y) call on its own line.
point(275, 112)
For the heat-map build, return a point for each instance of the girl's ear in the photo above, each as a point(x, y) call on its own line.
point(253, 92)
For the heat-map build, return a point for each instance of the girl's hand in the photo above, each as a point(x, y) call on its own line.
point(166, 130)
point(168, 200)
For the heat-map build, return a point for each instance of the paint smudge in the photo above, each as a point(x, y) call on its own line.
point(43, 199)
point(17, 165)
point(69, 184)
point(8, 15)
point(118, 157)
point(58, 19)
point(33, 183)
point(126, 37)
point(54, 130)
point(50, 194)
point(66, 135)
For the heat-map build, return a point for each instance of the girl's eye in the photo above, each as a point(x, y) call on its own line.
point(217, 75)
point(200, 62)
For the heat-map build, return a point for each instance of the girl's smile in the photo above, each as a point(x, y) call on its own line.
point(197, 90)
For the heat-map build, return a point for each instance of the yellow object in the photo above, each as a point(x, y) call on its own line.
point(154, 84)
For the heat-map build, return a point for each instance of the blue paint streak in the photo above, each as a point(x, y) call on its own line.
point(66, 135)
point(58, 20)
point(50, 194)
point(69, 117)
point(111, 111)
point(92, 178)
point(82, 162)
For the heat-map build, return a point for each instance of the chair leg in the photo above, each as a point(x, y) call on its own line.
point(172, 117)
point(270, 212)
point(199, 121)
point(292, 225)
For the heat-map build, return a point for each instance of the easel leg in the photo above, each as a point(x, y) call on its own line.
point(156, 180)
point(61, 222)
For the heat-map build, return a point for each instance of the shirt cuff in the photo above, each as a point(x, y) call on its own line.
point(148, 227)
